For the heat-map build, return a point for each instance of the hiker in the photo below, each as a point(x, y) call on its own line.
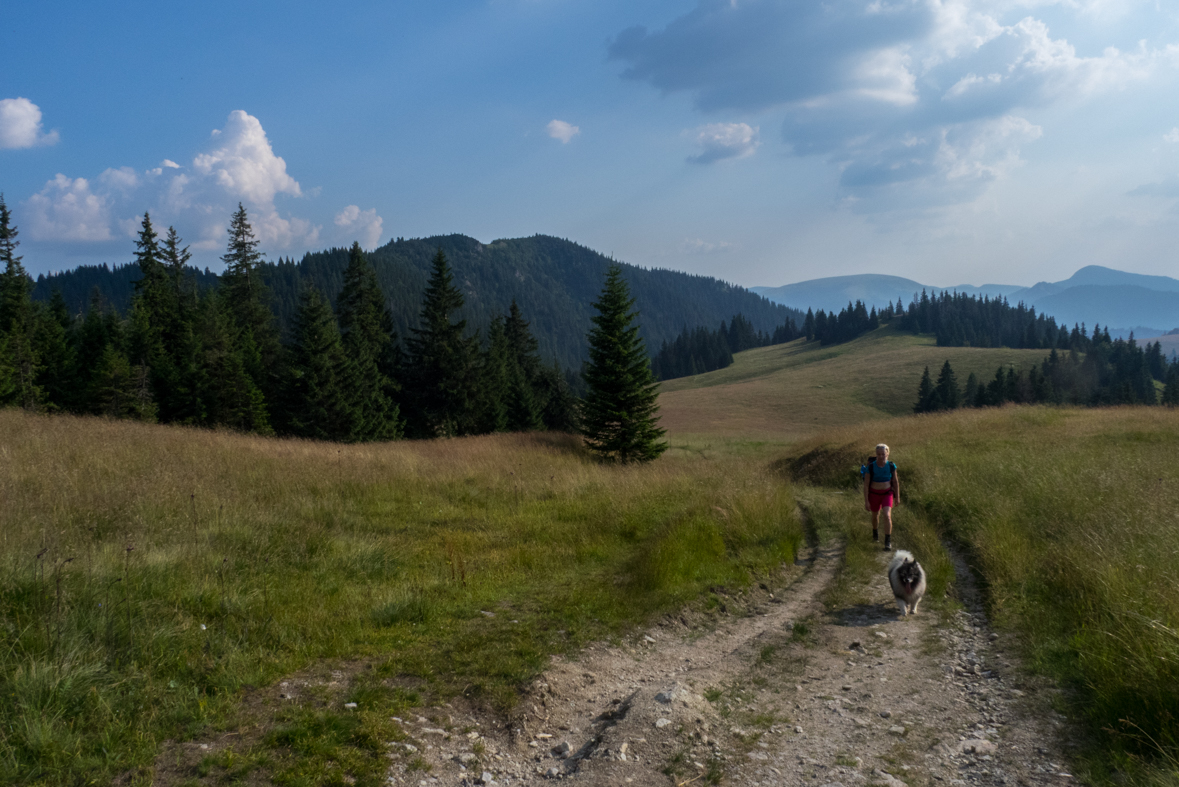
point(882, 490)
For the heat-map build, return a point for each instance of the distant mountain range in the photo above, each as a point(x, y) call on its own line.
point(554, 281)
point(1125, 302)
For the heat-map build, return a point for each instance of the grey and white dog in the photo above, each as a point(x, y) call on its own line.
point(907, 578)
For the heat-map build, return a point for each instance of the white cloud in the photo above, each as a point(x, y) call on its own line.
point(890, 92)
point(559, 129)
point(244, 165)
point(122, 178)
point(67, 210)
point(725, 140)
point(20, 124)
point(240, 166)
point(363, 226)
point(1172, 135)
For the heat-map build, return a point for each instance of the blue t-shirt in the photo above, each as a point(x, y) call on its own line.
point(879, 474)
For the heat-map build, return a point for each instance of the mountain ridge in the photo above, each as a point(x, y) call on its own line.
point(553, 280)
point(1120, 300)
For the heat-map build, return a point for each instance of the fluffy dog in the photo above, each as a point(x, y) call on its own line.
point(907, 578)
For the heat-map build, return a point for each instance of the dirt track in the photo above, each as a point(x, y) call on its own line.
point(783, 692)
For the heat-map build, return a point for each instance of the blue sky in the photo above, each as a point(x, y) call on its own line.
point(760, 141)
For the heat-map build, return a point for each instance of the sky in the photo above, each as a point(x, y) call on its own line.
point(763, 142)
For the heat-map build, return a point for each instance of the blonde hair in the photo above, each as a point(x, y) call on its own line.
point(885, 447)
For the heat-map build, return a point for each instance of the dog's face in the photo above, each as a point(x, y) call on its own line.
point(909, 575)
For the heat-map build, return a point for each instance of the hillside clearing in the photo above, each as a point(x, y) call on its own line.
point(788, 392)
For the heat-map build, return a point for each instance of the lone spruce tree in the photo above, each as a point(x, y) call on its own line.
point(619, 416)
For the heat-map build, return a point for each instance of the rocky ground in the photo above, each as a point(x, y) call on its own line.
point(784, 691)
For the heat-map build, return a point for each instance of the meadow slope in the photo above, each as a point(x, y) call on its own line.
point(791, 391)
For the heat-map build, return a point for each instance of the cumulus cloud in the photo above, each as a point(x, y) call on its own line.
point(244, 164)
point(890, 91)
point(239, 165)
point(559, 129)
point(67, 210)
point(724, 140)
point(363, 226)
point(20, 124)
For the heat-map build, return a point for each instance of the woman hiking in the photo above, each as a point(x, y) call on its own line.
point(882, 490)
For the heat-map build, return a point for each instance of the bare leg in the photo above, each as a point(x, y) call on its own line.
point(887, 511)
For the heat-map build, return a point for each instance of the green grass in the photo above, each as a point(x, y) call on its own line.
point(153, 579)
point(776, 395)
point(1069, 517)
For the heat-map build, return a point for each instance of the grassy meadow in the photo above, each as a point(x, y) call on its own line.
point(1069, 517)
point(788, 392)
point(152, 576)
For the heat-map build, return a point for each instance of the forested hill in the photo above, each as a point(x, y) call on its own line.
point(554, 282)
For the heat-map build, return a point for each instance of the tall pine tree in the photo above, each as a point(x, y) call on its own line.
point(248, 302)
point(369, 344)
point(442, 375)
point(619, 415)
point(316, 403)
point(18, 324)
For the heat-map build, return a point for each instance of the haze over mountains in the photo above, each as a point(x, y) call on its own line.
point(1125, 302)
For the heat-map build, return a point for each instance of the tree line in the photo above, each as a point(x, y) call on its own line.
point(960, 320)
point(700, 350)
point(852, 321)
point(553, 281)
point(213, 356)
point(1110, 372)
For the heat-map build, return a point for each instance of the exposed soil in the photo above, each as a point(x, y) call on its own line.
point(784, 691)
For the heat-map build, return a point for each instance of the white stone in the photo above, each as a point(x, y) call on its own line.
point(661, 723)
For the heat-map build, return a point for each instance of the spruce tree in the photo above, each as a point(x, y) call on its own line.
point(619, 416)
point(948, 394)
point(369, 344)
point(18, 320)
point(181, 401)
point(524, 402)
point(493, 380)
point(559, 412)
point(248, 301)
point(970, 393)
point(226, 392)
point(315, 403)
point(926, 394)
point(441, 374)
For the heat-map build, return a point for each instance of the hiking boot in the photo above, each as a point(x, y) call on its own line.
point(888, 543)
point(875, 534)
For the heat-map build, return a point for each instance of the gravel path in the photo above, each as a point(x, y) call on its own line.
point(782, 692)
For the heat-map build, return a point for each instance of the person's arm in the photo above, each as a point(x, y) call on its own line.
point(896, 487)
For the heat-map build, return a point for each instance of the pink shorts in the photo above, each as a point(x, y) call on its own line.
point(879, 498)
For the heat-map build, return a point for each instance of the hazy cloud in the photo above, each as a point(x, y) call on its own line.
point(891, 92)
point(559, 129)
point(20, 125)
point(359, 225)
point(1172, 135)
point(724, 140)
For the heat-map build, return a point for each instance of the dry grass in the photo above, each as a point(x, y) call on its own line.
point(149, 573)
point(1069, 516)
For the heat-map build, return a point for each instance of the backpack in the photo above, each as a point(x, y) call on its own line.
point(867, 468)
